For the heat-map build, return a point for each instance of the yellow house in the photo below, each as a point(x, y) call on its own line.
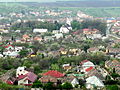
point(63, 52)
point(74, 51)
point(32, 55)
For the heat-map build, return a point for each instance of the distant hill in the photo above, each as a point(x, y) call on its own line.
point(85, 3)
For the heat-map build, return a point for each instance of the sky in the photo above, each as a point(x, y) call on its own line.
point(37, 0)
point(49, 0)
point(33, 0)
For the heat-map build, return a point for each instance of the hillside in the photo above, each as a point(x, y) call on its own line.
point(93, 11)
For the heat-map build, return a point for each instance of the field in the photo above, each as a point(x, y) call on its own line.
point(96, 12)
point(93, 11)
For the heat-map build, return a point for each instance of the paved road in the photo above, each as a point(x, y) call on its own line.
point(114, 36)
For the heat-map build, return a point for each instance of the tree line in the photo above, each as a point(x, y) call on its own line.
point(76, 25)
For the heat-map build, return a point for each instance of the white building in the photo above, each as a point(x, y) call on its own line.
point(21, 71)
point(93, 81)
point(40, 30)
point(59, 35)
point(64, 29)
point(11, 53)
point(55, 31)
point(74, 82)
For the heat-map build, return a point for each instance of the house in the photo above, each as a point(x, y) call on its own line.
point(88, 31)
point(54, 54)
point(46, 79)
point(26, 37)
point(65, 29)
point(71, 79)
point(66, 67)
point(53, 73)
point(93, 81)
point(1, 38)
point(18, 31)
point(27, 79)
point(117, 56)
point(7, 77)
point(93, 49)
point(111, 20)
point(11, 53)
point(113, 64)
point(94, 36)
point(97, 36)
point(18, 48)
point(117, 41)
point(9, 47)
point(59, 35)
point(63, 51)
point(79, 76)
point(73, 51)
point(112, 51)
point(5, 31)
point(95, 72)
point(21, 71)
point(75, 82)
point(1, 56)
point(40, 30)
point(87, 66)
point(37, 38)
point(55, 31)
point(78, 32)
point(48, 38)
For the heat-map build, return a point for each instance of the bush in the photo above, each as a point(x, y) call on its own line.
point(112, 87)
point(37, 84)
point(48, 86)
point(67, 85)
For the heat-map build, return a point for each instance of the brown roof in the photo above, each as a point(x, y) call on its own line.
point(93, 49)
point(94, 72)
point(6, 76)
point(30, 76)
point(46, 79)
point(26, 36)
point(67, 79)
point(117, 41)
point(114, 64)
point(114, 50)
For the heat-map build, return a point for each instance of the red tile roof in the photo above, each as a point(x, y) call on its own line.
point(8, 46)
point(9, 82)
point(54, 73)
point(30, 76)
point(26, 36)
point(88, 69)
point(21, 76)
point(86, 29)
point(84, 61)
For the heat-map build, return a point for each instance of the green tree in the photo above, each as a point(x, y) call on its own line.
point(55, 67)
point(112, 87)
point(23, 53)
point(48, 86)
point(37, 84)
point(97, 24)
point(115, 75)
point(76, 25)
point(67, 86)
point(85, 47)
